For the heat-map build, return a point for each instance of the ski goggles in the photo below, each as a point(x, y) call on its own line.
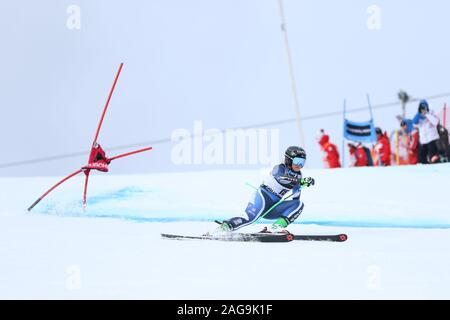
point(299, 161)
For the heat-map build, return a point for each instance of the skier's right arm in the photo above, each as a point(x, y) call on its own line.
point(279, 174)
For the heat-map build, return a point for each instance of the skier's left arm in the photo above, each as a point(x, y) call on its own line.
point(302, 183)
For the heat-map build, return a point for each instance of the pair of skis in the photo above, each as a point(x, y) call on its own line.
point(259, 237)
point(97, 158)
point(262, 236)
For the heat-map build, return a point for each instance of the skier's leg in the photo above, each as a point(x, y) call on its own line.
point(257, 206)
point(286, 213)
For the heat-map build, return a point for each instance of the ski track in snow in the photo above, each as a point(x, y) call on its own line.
point(397, 221)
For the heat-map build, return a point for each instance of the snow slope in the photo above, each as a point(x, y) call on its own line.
point(397, 220)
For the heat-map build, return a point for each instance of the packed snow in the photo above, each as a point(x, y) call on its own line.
point(397, 220)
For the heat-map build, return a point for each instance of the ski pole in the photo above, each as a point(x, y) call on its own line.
point(273, 207)
point(251, 186)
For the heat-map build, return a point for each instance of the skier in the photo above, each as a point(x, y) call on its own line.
point(426, 121)
point(284, 177)
point(331, 158)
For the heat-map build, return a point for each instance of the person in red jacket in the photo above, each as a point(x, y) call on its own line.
point(383, 148)
point(413, 142)
point(331, 158)
point(358, 155)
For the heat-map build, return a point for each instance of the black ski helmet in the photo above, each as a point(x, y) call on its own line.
point(293, 152)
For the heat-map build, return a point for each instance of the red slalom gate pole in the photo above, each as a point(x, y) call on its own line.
point(100, 126)
point(52, 188)
point(130, 153)
point(445, 115)
point(106, 105)
point(85, 187)
point(87, 171)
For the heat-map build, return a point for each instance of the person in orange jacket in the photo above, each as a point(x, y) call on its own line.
point(331, 158)
point(383, 148)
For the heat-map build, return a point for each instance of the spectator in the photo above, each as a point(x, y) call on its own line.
point(383, 148)
point(426, 121)
point(412, 142)
point(331, 158)
point(443, 144)
point(409, 123)
point(359, 155)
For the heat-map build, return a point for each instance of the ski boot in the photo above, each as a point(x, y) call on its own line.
point(225, 227)
point(279, 225)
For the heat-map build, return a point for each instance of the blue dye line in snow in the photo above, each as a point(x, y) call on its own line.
point(367, 224)
point(348, 223)
point(126, 193)
point(121, 194)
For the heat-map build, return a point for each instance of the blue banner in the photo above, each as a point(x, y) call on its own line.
point(360, 131)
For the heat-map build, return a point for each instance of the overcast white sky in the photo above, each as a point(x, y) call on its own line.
point(222, 62)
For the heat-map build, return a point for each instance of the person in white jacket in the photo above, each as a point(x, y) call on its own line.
point(426, 121)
